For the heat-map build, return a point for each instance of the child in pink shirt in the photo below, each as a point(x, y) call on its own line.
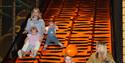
point(32, 43)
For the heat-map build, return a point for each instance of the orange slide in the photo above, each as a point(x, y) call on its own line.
point(81, 23)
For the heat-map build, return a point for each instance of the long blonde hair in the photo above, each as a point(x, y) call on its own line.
point(33, 13)
point(103, 48)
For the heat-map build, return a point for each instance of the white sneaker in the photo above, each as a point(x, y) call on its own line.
point(31, 55)
point(20, 54)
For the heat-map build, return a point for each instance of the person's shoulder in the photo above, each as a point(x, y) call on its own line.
point(94, 53)
point(110, 57)
point(29, 19)
point(41, 20)
point(92, 58)
point(109, 54)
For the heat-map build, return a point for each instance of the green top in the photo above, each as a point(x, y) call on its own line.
point(93, 58)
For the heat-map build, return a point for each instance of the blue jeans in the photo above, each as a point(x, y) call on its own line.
point(52, 39)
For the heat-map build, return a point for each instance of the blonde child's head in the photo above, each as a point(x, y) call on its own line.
point(101, 48)
point(36, 13)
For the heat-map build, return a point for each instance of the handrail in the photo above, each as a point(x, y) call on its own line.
point(5, 35)
point(13, 43)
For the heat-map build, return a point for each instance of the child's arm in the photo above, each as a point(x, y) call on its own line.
point(40, 39)
point(57, 27)
point(26, 39)
point(46, 30)
point(43, 25)
point(27, 26)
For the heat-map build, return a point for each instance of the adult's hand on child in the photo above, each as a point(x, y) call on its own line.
point(25, 32)
point(46, 30)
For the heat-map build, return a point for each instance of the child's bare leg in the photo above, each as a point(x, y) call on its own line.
point(33, 53)
point(61, 44)
point(58, 42)
point(21, 53)
point(45, 46)
point(34, 50)
point(68, 59)
point(25, 48)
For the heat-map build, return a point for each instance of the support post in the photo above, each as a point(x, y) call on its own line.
point(37, 3)
point(14, 17)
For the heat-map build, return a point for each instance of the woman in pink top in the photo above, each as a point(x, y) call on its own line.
point(32, 43)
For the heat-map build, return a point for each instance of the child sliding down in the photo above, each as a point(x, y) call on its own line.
point(51, 37)
point(32, 43)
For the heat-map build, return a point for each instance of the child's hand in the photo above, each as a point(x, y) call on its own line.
point(46, 30)
point(40, 39)
point(57, 27)
point(25, 32)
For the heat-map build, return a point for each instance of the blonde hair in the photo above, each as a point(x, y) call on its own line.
point(36, 10)
point(102, 47)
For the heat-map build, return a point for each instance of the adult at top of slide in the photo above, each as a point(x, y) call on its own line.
point(35, 21)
